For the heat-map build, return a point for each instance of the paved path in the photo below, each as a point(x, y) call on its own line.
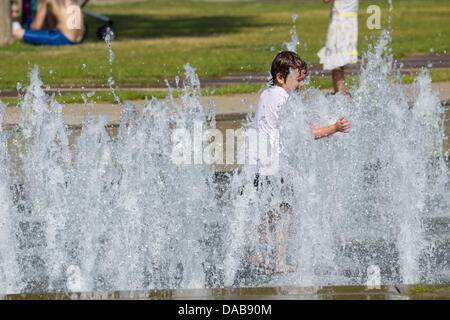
point(229, 108)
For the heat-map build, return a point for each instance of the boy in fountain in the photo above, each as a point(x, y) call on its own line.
point(288, 72)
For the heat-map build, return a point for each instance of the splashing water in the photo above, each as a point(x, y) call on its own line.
point(292, 45)
point(117, 213)
point(390, 17)
point(108, 36)
point(9, 271)
point(373, 277)
point(377, 188)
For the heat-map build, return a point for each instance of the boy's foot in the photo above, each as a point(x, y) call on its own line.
point(347, 95)
point(256, 263)
point(281, 268)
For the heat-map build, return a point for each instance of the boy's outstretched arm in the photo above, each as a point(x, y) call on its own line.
point(341, 125)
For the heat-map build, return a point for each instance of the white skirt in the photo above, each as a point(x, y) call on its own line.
point(342, 39)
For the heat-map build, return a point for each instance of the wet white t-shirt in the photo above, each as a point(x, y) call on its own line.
point(269, 107)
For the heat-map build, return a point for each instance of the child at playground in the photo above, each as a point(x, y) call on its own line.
point(288, 72)
point(68, 20)
point(342, 38)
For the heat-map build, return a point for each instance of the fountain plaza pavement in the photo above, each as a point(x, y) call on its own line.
point(392, 292)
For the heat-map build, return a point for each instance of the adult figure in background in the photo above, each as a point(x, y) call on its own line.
point(15, 14)
point(29, 8)
point(342, 40)
point(65, 15)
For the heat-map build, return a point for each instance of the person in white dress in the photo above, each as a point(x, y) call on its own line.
point(342, 39)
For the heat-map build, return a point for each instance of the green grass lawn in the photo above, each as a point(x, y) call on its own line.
point(133, 95)
point(157, 37)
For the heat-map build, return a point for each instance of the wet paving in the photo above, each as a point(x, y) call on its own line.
point(397, 292)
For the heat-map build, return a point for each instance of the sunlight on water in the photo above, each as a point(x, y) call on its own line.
point(116, 213)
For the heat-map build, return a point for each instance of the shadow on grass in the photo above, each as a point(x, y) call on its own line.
point(151, 27)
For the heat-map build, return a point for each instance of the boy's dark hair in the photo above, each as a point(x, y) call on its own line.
point(283, 62)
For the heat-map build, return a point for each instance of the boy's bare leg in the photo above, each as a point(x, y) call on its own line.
point(282, 242)
point(257, 258)
point(277, 224)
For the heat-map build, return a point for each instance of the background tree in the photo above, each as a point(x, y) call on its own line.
point(5, 22)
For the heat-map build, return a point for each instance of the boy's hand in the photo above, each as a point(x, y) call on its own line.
point(342, 125)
